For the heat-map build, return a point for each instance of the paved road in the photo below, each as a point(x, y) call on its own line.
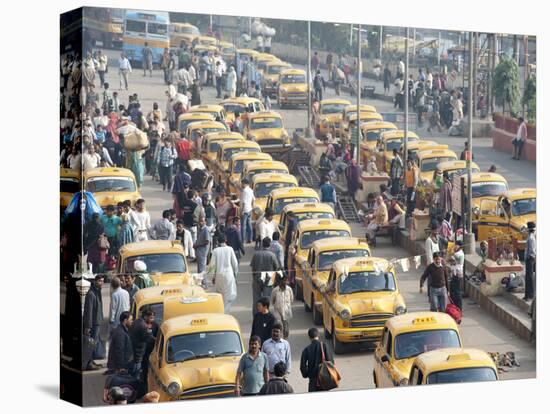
point(478, 328)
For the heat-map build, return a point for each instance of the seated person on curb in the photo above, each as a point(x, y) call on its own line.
point(377, 219)
point(395, 211)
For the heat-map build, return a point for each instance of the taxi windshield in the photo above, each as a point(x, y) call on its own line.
point(411, 344)
point(461, 171)
point(203, 345)
point(488, 189)
point(326, 259)
point(158, 263)
point(293, 79)
point(430, 164)
point(230, 151)
point(332, 108)
point(259, 123)
point(282, 202)
point(366, 281)
point(101, 184)
point(69, 185)
point(195, 133)
point(185, 123)
point(308, 237)
point(453, 376)
point(215, 145)
point(274, 70)
point(187, 30)
point(252, 173)
point(233, 108)
point(263, 189)
point(525, 206)
point(374, 134)
point(313, 215)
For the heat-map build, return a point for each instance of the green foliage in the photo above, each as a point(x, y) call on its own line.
point(530, 98)
point(506, 84)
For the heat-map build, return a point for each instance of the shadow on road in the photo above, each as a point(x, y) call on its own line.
point(51, 390)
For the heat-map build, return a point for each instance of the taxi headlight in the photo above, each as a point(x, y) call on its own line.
point(345, 314)
point(173, 388)
point(400, 310)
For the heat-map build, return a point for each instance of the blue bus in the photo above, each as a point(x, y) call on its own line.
point(145, 26)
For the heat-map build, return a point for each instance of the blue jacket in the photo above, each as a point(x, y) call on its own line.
point(328, 193)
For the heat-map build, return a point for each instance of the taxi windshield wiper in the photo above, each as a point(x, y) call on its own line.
point(226, 353)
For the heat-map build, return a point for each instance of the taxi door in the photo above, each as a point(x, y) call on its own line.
point(493, 219)
point(328, 295)
point(382, 359)
point(154, 381)
point(307, 274)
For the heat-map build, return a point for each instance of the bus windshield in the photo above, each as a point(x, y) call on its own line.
point(135, 26)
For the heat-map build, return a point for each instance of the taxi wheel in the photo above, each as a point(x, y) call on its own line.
point(317, 316)
point(337, 346)
point(307, 307)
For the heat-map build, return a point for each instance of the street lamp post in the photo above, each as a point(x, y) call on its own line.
point(357, 142)
point(381, 41)
point(469, 239)
point(406, 97)
point(308, 129)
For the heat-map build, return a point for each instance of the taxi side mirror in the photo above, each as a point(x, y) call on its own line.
point(385, 358)
point(502, 215)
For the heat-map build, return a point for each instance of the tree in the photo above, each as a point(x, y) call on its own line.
point(530, 98)
point(506, 84)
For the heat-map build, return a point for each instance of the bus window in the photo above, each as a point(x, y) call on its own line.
point(156, 28)
point(135, 26)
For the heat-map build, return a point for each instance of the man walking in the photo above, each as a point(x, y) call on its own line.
point(253, 370)
point(202, 245)
point(121, 353)
point(277, 350)
point(218, 74)
point(223, 269)
point(93, 319)
point(396, 172)
point(245, 203)
point(164, 229)
point(519, 140)
point(124, 68)
point(312, 356)
point(263, 262)
point(438, 284)
point(130, 287)
point(328, 192)
point(319, 84)
point(263, 321)
point(147, 60)
point(120, 302)
point(278, 383)
point(530, 261)
point(102, 60)
point(411, 181)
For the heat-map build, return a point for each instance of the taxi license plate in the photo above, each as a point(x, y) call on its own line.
point(371, 333)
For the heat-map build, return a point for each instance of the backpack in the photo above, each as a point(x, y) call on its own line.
point(317, 82)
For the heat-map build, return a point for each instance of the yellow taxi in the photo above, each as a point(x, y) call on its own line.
point(250, 54)
point(243, 105)
point(233, 175)
point(176, 300)
point(196, 356)
point(164, 259)
point(322, 255)
point(212, 142)
point(270, 78)
point(486, 186)
point(185, 119)
point(184, 33)
point(225, 152)
point(414, 146)
point(360, 296)
point(303, 211)
point(371, 133)
point(262, 59)
point(263, 183)
point(428, 160)
point(267, 129)
point(453, 366)
point(389, 141)
point(69, 181)
point(217, 111)
point(206, 41)
point(281, 197)
point(206, 127)
point(330, 112)
point(339, 128)
point(293, 88)
point(227, 50)
point(456, 167)
point(111, 185)
point(508, 216)
point(307, 232)
point(404, 338)
point(258, 167)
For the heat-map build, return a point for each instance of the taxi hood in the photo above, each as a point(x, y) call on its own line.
point(268, 133)
point(113, 197)
point(204, 371)
point(293, 87)
point(164, 279)
point(371, 302)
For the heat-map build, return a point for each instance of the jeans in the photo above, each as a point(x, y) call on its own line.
point(165, 174)
point(202, 254)
point(395, 186)
point(246, 227)
point(319, 94)
point(218, 87)
point(456, 291)
point(167, 75)
point(123, 75)
point(410, 201)
point(529, 270)
point(101, 74)
point(438, 299)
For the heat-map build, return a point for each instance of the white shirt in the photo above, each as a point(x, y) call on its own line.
point(223, 268)
point(247, 199)
point(281, 303)
point(124, 64)
point(102, 62)
point(74, 161)
point(90, 161)
point(141, 223)
point(431, 248)
point(266, 228)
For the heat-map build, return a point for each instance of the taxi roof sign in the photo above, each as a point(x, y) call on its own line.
point(458, 357)
point(324, 222)
point(189, 300)
point(201, 321)
point(426, 320)
point(172, 291)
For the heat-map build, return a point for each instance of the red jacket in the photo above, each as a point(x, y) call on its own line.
point(184, 149)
